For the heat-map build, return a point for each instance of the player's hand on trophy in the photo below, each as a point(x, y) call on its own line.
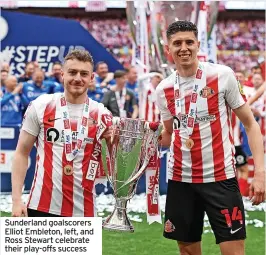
point(257, 188)
point(107, 134)
point(19, 209)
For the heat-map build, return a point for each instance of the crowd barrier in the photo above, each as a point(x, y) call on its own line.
point(9, 137)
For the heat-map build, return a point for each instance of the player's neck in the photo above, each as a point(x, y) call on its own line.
point(154, 85)
point(75, 99)
point(187, 71)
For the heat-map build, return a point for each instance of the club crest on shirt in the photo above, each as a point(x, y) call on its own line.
point(206, 92)
point(240, 87)
point(169, 227)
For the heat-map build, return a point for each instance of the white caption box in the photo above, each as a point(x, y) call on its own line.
point(54, 236)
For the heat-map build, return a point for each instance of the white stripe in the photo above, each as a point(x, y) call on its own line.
point(36, 194)
point(186, 158)
point(78, 198)
point(58, 149)
point(170, 162)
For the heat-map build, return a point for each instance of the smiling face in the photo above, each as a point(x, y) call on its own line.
point(77, 75)
point(183, 46)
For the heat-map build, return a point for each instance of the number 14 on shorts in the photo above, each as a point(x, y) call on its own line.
point(235, 216)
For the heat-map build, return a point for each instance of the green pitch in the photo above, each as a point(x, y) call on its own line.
point(148, 240)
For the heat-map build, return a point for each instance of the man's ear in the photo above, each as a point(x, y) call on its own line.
point(198, 45)
point(92, 75)
point(62, 75)
point(167, 48)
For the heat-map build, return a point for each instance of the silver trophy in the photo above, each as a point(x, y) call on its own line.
point(127, 155)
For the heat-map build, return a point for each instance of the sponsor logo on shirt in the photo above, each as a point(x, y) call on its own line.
point(207, 118)
point(93, 166)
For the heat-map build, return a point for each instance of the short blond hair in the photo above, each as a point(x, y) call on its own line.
point(80, 55)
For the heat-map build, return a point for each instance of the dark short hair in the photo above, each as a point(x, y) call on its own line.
point(130, 68)
point(240, 71)
point(29, 63)
point(38, 70)
point(57, 63)
point(155, 71)
point(99, 63)
point(80, 55)
point(181, 26)
point(119, 74)
point(255, 67)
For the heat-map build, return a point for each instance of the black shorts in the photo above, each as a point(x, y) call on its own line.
point(35, 213)
point(240, 156)
point(186, 204)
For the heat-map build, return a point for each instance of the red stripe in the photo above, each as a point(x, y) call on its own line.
point(216, 130)
point(153, 112)
point(250, 161)
point(177, 154)
point(187, 103)
point(47, 187)
point(169, 96)
point(87, 192)
point(68, 181)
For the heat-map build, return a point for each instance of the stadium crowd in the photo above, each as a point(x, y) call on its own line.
point(240, 43)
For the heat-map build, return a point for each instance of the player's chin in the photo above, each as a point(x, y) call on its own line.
point(78, 92)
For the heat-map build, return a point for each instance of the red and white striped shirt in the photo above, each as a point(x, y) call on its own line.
point(212, 156)
point(53, 191)
point(148, 109)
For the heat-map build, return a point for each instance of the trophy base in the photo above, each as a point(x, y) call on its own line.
point(118, 220)
point(114, 227)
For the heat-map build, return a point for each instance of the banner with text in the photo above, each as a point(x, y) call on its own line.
point(27, 37)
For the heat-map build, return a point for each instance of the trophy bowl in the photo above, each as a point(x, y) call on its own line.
point(125, 157)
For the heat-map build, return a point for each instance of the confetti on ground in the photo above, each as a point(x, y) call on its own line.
point(105, 205)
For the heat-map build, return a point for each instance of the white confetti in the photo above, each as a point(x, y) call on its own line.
point(136, 205)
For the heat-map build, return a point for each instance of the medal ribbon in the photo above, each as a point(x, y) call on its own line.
point(121, 102)
point(199, 82)
point(70, 152)
point(94, 164)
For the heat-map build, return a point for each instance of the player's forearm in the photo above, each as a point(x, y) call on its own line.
point(109, 77)
point(165, 139)
point(135, 113)
point(258, 94)
point(19, 170)
point(255, 141)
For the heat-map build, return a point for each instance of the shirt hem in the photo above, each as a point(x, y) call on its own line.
point(56, 212)
point(204, 180)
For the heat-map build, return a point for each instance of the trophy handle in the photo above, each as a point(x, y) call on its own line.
point(105, 155)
